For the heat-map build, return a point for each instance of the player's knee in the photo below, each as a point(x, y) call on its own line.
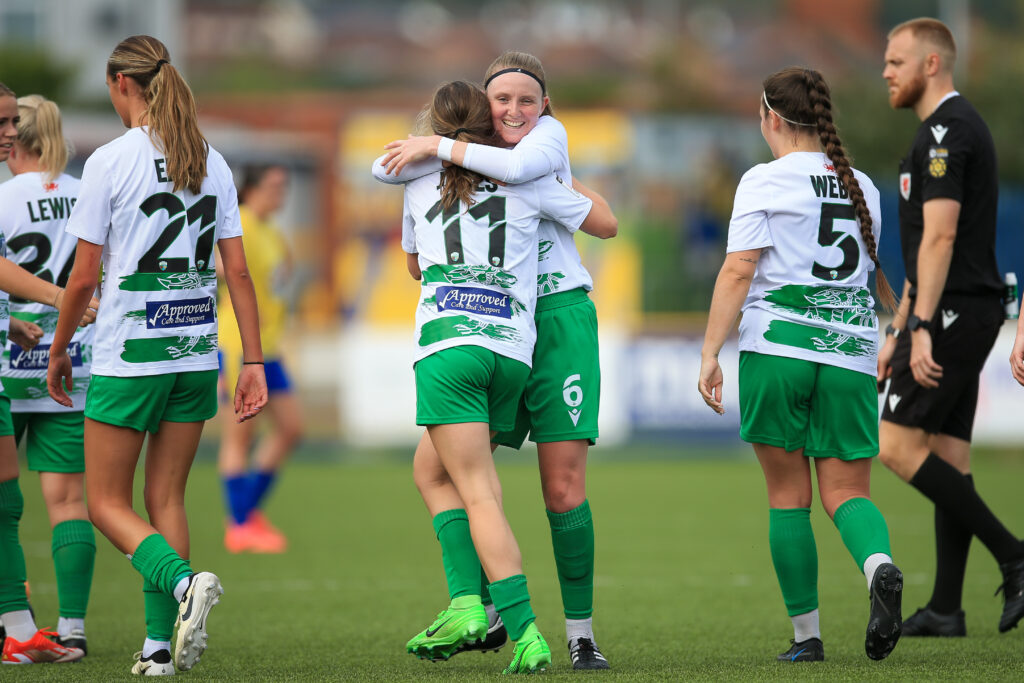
point(563, 494)
point(100, 514)
point(888, 456)
point(291, 433)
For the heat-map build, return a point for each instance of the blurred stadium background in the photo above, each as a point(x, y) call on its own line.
point(659, 98)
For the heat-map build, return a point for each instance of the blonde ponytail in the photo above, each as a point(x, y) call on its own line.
point(41, 133)
point(171, 110)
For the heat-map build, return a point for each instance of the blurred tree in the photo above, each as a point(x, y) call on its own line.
point(997, 64)
point(28, 69)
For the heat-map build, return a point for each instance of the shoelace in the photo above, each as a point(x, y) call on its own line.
point(1005, 586)
point(583, 645)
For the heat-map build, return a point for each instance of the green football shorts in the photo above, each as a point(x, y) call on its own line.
point(143, 402)
point(469, 384)
point(6, 426)
point(54, 442)
point(563, 393)
point(828, 411)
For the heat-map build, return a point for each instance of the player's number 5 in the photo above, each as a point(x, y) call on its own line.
point(828, 236)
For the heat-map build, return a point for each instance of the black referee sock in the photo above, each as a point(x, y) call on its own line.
point(947, 488)
point(952, 543)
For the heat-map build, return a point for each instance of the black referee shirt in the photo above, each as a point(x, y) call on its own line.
point(953, 156)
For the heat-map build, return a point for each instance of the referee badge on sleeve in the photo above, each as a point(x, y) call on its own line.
point(937, 157)
point(905, 186)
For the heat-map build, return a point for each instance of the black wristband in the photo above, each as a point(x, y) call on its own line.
point(914, 323)
point(891, 331)
point(252, 362)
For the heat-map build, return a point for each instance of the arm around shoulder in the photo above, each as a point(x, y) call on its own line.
point(601, 221)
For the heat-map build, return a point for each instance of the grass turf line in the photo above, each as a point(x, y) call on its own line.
point(685, 587)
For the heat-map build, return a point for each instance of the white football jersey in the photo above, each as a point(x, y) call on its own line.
point(158, 313)
point(544, 150)
point(809, 298)
point(479, 263)
point(5, 299)
point(35, 211)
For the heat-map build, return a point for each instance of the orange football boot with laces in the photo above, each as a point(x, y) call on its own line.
point(39, 649)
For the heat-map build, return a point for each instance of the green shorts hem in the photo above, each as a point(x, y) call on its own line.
point(842, 455)
point(55, 469)
point(117, 421)
point(565, 436)
point(771, 441)
point(453, 420)
point(815, 453)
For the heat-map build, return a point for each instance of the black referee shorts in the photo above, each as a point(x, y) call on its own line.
point(964, 332)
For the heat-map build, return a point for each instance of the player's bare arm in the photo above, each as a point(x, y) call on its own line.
point(731, 289)
point(933, 259)
point(412, 262)
point(887, 344)
point(609, 225)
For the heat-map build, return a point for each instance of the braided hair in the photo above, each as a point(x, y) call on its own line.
point(802, 96)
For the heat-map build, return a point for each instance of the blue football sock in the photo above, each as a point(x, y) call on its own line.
point(260, 482)
point(236, 492)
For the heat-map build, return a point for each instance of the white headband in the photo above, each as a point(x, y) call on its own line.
point(764, 96)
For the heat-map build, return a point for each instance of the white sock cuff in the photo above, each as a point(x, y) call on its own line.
point(181, 587)
point(579, 628)
point(20, 625)
point(806, 626)
point(65, 625)
point(872, 564)
point(151, 646)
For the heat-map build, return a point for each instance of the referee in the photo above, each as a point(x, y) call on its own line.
point(947, 322)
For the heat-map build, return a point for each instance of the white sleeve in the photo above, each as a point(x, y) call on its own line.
point(408, 223)
point(416, 169)
point(748, 227)
point(871, 196)
point(562, 204)
point(230, 224)
point(541, 152)
point(90, 217)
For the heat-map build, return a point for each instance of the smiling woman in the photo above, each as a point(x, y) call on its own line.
point(559, 409)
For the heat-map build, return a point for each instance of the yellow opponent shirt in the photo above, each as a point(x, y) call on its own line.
point(265, 253)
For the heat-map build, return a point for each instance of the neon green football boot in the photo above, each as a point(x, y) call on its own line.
point(465, 621)
point(531, 653)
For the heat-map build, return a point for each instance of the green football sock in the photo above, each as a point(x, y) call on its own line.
point(156, 560)
point(863, 529)
point(461, 566)
point(485, 592)
point(572, 538)
point(512, 600)
point(12, 558)
point(795, 557)
point(74, 555)
point(161, 612)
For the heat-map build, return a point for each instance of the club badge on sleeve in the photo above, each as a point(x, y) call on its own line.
point(937, 157)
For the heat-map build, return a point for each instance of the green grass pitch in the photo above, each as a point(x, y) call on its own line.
point(684, 586)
